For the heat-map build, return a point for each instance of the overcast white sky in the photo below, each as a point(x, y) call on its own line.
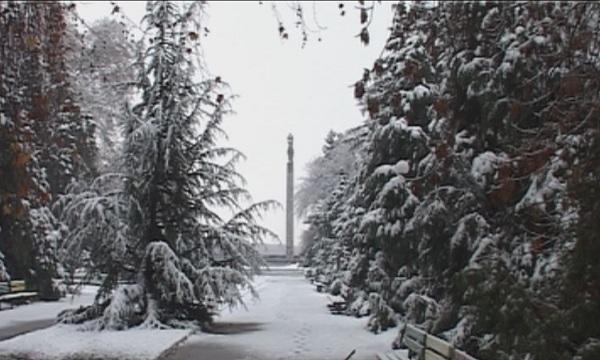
point(282, 87)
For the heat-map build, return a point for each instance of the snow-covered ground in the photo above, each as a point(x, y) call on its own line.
point(66, 342)
point(290, 321)
point(41, 310)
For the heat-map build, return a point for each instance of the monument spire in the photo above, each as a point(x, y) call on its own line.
point(289, 235)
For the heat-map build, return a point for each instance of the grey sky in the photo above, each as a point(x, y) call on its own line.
point(282, 87)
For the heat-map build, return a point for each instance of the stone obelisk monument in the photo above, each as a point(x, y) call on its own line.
point(289, 207)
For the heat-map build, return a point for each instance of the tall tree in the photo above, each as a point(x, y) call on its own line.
point(162, 231)
point(45, 141)
point(483, 117)
point(339, 158)
point(103, 63)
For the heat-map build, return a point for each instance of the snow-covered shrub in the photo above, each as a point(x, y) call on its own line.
point(360, 305)
point(382, 316)
point(335, 288)
point(461, 332)
point(310, 273)
point(421, 309)
point(402, 288)
point(589, 350)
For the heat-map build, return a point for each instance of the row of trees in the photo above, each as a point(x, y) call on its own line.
point(474, 210)
point(134, 192)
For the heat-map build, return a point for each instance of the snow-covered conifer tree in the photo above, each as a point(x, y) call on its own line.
point(479, 113)
point(45, 141)
point(163, 233)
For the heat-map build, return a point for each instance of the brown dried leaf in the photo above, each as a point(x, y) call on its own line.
point(21, 159)
point(364, 36)
point(31, 42)
point(441, 106)
point(359, 89)
point(364, 17)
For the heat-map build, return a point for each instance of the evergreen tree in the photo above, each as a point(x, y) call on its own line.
point(481, 115)
point(103, 60)
point(45, 141)
point(160, 228)
point(340, 155)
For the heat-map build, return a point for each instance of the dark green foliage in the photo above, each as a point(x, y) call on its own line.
point(46, 142)
point(479, 189)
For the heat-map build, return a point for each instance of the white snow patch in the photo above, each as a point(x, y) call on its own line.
point(484, 165)
point(293, 322)
point(472, 66)
point(540, 40)
point(511, 55)
point(463, 138)
point(479, 254)
point(373, 216)
point(402, 167)
point(384, 170)
point(46, 310)
point(4, 121)
point(543, 187)
point(67, 341)
point(418, 92)
point(488, 19)
point(393, 185)
point(461, 235)
point(401, 125)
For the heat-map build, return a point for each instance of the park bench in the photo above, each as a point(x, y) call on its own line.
point(337, 307)
point(319, 285)
point(423, 346)
point(15, 292)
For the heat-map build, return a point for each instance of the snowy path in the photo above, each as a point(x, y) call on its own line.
point(290, 321)
point(38, 315)
point(23, 327)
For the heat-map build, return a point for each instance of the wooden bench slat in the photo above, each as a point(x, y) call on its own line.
point(381, 356)
point(387, 356)
point(415, 333)
point(393, 355)
point(390, 356)
point(461, 355)
point(400, 355)
point(18, 295)
point(431, 355)
point(413, 345)
point(384, 356)
point(17, 285)
point(428, 347)
point(439, 346)
point(15, 292)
